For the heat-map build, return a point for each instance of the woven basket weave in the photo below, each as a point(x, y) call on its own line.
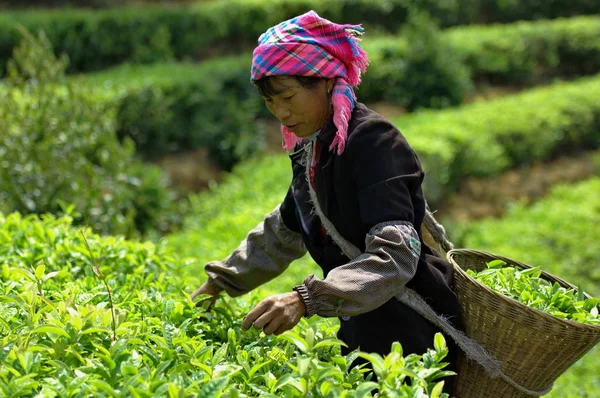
point(534, 348)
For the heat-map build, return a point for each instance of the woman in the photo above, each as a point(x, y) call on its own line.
point(356, 188)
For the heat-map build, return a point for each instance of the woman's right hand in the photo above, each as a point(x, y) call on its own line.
point(205, 289)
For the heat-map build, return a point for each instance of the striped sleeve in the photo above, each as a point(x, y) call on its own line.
point(367, 282)
point(264, 254)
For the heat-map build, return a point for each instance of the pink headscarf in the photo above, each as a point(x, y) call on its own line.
point(309, 45)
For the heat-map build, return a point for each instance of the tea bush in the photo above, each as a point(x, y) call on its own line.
point(58, 148)
point(486, 138)
point(427, 74)
point(517, 53)
point(529, 52)
point(170, 107)
point(155, 33)
point(61, 336)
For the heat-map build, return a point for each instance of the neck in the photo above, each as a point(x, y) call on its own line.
point(325, 120)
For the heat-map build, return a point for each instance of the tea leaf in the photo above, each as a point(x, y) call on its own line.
point(50, 329)
point(213, 388)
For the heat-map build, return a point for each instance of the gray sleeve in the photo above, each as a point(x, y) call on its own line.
point(367, 282)
point(264, 254)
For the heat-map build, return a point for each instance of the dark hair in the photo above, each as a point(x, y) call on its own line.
point(266, 89)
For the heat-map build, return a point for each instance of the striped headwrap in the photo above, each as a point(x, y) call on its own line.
point(309, 45)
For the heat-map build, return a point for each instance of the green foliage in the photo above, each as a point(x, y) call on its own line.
point(57, 339)
point(528, 287)
point(60, 148)
point(88, 37)
point(518, 53)
point(426, 73)
point(154, 33)
point(529, 52)
point(167, 108)
point(34, 60)
point(480, 140)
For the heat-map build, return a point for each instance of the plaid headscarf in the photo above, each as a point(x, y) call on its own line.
point(309, 45)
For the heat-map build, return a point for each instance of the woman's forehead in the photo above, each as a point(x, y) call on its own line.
point(282, 83)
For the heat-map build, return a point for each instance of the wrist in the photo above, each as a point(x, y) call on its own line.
point(214, 288)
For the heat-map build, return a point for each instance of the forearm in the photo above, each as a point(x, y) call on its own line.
point(368, 281)
point(264, 254)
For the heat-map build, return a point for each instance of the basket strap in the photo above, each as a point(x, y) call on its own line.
point(436, 230)
point(470, 347)
point(413, 300)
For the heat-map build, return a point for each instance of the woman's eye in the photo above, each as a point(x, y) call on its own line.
point(288, 98)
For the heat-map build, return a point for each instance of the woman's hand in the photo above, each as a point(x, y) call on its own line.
point(205, 289)
point(276, 314)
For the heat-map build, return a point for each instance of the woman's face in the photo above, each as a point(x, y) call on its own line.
point(302, 110)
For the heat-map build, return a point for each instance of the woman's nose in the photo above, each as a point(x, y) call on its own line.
point(282, 113)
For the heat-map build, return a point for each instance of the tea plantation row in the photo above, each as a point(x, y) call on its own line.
point(171, 107)
point(151, 34)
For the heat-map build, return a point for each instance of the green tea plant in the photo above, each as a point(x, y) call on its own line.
point(59, 148)
point(58, 332)
point(153, 33)
point(527, 287)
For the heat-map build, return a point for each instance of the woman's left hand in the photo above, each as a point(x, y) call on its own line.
point(276, 314)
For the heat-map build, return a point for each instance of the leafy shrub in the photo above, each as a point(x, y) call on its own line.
point(426, 73)
point(480, 140)
point(59, 335)
point(154, 33)
point(171, 107)
point(518, 53)
point(168, 108)
point(60, 147)
point(89, 39)
point(529, 52)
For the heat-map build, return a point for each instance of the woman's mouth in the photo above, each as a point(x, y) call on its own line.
point(291, 126)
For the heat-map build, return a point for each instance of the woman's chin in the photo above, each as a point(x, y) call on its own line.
point(300, 132)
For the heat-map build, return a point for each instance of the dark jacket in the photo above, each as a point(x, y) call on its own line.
point(376, 179)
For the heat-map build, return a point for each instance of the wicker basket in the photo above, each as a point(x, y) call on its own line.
point(534, 348)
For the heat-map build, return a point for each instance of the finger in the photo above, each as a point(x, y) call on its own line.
point(196, 293)
point(253, 315)
point(264, 319)
point(272, 326)
point(211, 302)
point(282, 328)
